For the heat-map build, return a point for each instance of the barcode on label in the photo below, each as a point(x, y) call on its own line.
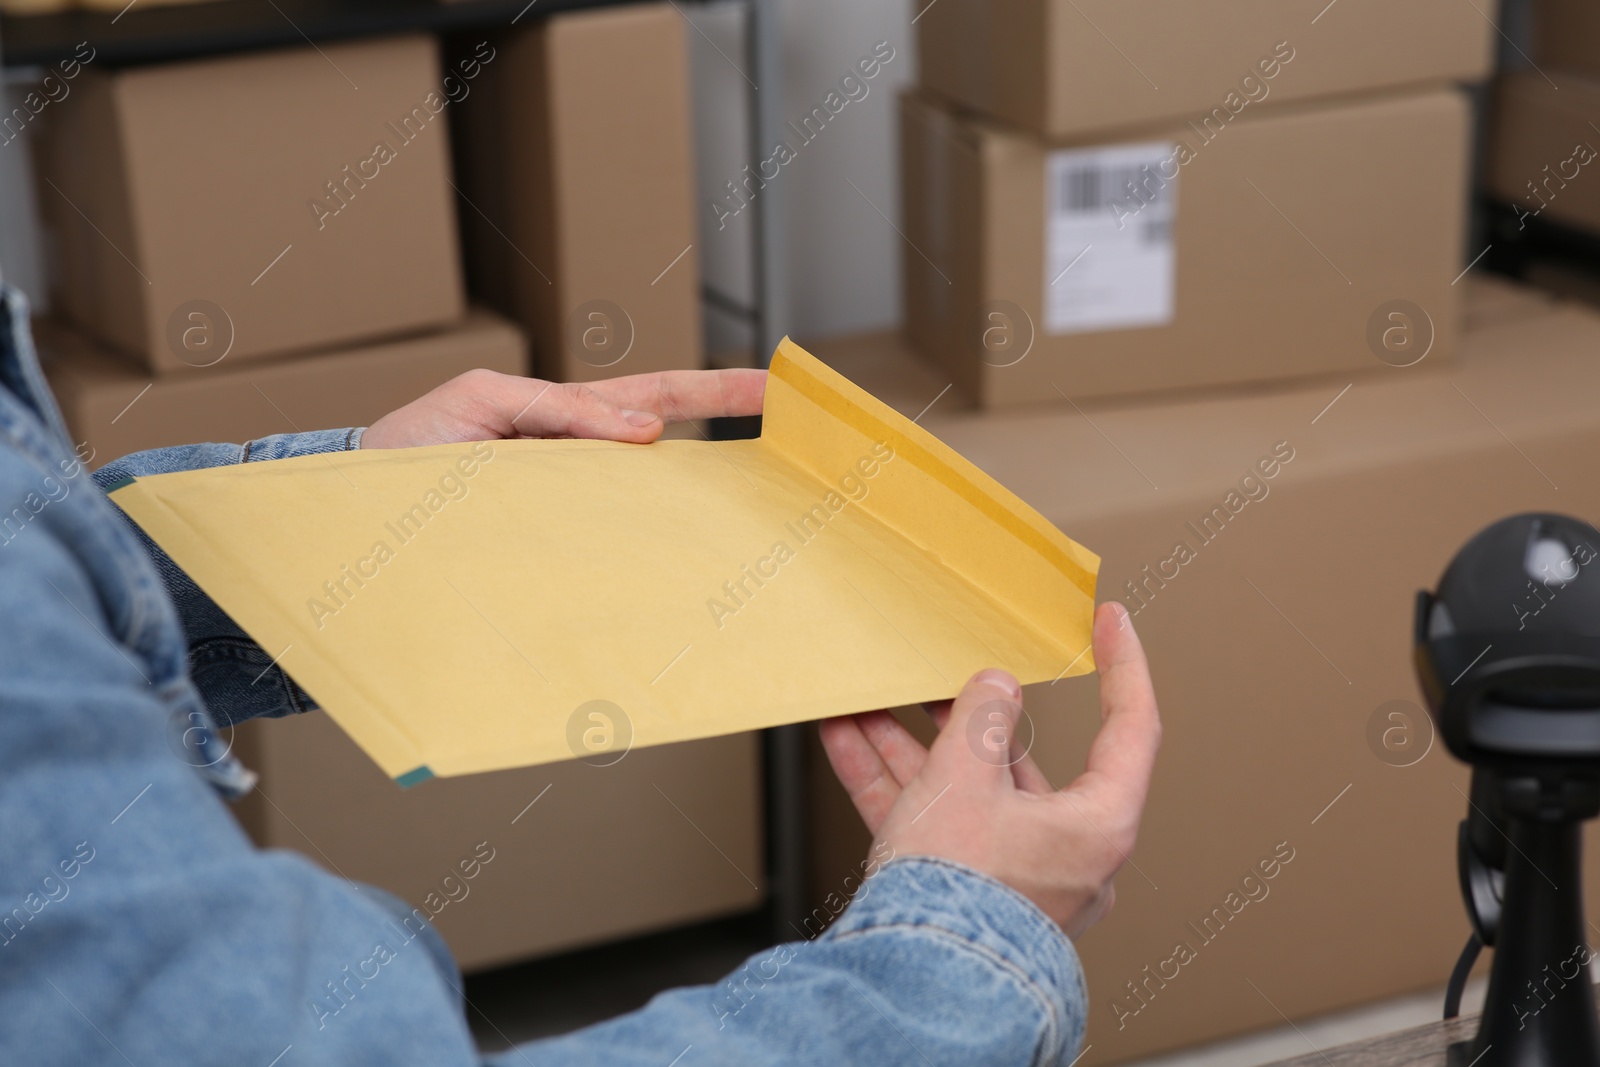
point(1096, 188)
point(1110, 256)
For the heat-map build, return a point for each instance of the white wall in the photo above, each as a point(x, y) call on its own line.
point(844, 257)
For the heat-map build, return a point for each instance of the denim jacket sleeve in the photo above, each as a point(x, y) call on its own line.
point(238, 679)
point(932, 964)
point(137, 922)
point(139, 925)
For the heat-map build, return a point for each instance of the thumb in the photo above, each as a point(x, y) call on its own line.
point(975, 744)
point(575, 410)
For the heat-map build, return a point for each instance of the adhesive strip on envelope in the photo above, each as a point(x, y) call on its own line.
point(465, 608)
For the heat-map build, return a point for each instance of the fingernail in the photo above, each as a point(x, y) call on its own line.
point(1000, 680)
point(637, 418)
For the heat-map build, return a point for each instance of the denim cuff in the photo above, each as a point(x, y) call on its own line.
point(994, 921)
point(237, 679)
point(310, 443)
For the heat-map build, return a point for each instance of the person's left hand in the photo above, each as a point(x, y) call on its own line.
point(484, 405)
point(1059, 848)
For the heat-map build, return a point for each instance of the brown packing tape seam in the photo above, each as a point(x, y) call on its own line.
point(839, 407)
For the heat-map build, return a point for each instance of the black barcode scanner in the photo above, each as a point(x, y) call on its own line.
point(1508, 653)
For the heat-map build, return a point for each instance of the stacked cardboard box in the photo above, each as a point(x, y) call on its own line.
point(1542, 137)
point(1107, 198)
point(1565, 34)
point(578, 177)
point(280, 202)
point(255, 245)
point(1277, 644)
point(1543, 147)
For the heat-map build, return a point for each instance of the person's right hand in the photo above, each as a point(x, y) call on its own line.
point(959, 799)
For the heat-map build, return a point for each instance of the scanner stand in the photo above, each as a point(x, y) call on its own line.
point(1540, 1009)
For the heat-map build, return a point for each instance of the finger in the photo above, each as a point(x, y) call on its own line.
point(865, 777)
point(901, 753)
point(975, 751)
point(1025, 772)
point(689, 395)
point(1123, 754)
point(570, 409)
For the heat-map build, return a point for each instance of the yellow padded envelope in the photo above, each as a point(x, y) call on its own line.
point(464, 608)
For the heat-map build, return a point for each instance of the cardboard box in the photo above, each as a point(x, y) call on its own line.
point(1543, 148)
point(117, 408)
point(578, 171)
point(298, 199)
point(1060, 67)
point(1281, 247)
point(582, 853)
point(1566, 34)
point(1273, 651)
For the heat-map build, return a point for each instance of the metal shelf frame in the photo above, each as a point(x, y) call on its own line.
point(140, 34)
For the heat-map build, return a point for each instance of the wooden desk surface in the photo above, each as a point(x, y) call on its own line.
point(1423, 1046)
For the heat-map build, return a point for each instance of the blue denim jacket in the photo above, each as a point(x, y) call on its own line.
point(138, 925)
